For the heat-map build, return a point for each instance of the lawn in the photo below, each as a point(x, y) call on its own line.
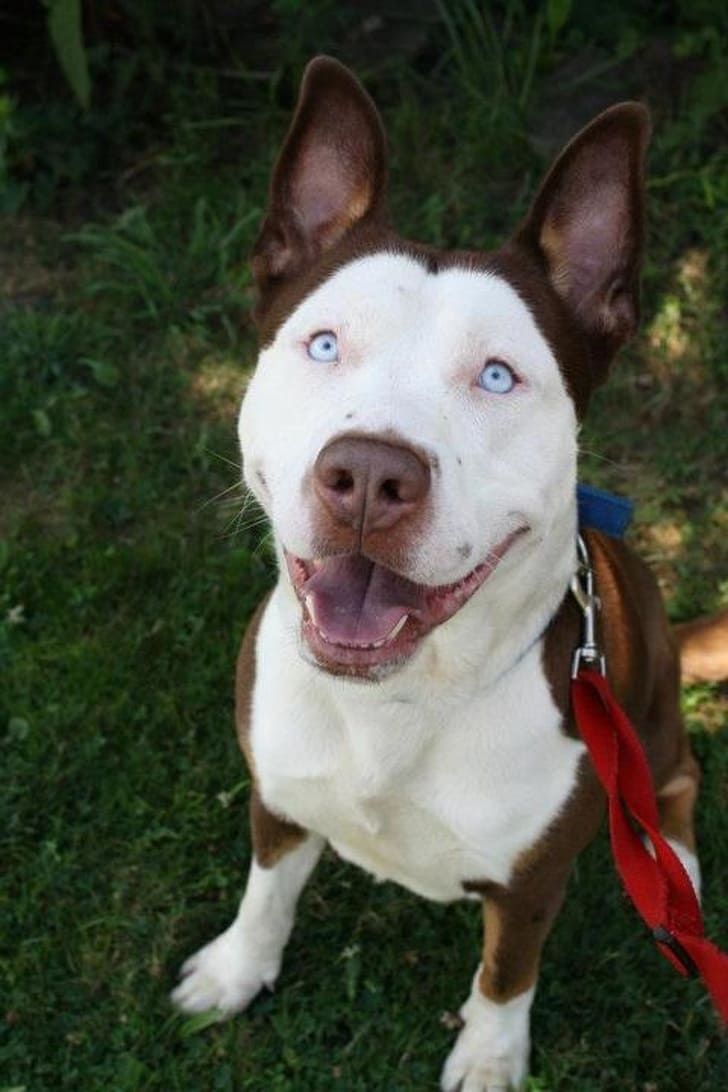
point(130, 560)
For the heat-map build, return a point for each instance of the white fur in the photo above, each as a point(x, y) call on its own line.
point(423, 778)
point(412, 345)
point(429, 776)
point(450, 768)
point(491, 1051)
point(229, 971)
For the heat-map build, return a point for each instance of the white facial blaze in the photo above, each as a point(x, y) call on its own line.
point(411, 348)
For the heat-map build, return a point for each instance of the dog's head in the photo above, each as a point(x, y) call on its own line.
point(410, 429)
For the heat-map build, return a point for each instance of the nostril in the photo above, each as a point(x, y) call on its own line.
point(341, 481)
point(369, 483)
point(390, 490)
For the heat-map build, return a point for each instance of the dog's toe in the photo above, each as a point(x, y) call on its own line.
point(491, 1051)
point(197, 994)
point(224, 975)
point(462, 1074)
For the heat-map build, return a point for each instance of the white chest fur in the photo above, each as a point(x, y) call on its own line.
point(426, 784)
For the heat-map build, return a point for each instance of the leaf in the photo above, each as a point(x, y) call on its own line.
point(18, 730)
point(42, 422)
point(195, 1024)
point(105, 374)
point(66, 32)
point(557, 12)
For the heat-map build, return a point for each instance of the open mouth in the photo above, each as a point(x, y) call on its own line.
point(360, 617)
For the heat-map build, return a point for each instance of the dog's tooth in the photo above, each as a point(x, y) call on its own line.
point(390, 636)
point(309, 605)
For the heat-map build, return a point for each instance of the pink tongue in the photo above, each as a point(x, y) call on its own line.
point(354, 601)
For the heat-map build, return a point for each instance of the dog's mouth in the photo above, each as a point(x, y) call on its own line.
point(360, 617)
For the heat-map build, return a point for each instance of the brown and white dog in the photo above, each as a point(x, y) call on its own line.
point(411, 432)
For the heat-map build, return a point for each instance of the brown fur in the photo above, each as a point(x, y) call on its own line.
point(307, 235)
point(643, 669)
point(518, 918)
point(704, 648)
point(388, 540)
point(297, 251)
point(272, 835)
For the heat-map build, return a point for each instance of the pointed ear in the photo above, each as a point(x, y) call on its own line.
point(331, 173)
point(587, 226)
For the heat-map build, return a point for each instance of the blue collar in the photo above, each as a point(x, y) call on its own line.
point(603, 511)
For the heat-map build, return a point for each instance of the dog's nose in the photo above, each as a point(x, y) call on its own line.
point(370, 484)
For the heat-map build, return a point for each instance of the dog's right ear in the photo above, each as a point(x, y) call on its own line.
point(331, 173)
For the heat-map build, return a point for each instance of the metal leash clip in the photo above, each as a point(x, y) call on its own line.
point(589, 654)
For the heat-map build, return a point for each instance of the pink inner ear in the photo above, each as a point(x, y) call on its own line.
point(587, 243)
point(326, 193)
point(587, 223)
point(331, 173)
point(590, 236)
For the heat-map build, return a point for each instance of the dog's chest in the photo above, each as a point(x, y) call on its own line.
point(414, 788)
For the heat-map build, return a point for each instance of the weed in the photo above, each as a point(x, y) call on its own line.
point(496, 65)
point(197, 280)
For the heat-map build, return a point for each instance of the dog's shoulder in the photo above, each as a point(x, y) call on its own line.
point(639, 644)
point(245, 678)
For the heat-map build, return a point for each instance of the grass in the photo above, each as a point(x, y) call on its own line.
point(125, 584)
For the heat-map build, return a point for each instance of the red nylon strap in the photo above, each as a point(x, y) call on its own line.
point(658, 886)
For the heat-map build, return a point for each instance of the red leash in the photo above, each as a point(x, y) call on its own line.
point(658, 885)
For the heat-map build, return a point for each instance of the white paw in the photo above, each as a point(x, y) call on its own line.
point(226, 975)
point(491, 1051)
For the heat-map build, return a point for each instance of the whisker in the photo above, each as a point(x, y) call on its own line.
point(239, 530)
point(599, 456)
point(220, 495)
point(248, 517)
point(265, 543)
point(236, 464)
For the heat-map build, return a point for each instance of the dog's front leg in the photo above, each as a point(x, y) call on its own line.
point(229, 971)
point(492, 1049)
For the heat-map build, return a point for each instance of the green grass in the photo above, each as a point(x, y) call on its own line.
point(127, 572)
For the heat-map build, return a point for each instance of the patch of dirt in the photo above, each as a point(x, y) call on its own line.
point(27, 278)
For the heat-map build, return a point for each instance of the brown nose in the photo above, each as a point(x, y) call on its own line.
point(370, 484)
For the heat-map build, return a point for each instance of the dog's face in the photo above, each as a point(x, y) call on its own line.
point(411, 426)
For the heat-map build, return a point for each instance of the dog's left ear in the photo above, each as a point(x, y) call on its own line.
point(586, 227)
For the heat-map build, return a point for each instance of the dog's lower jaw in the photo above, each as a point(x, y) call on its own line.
point(409, 610)
point(492, 1049)
point(521, 598)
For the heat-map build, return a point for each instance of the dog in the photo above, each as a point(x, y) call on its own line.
point(411, 433)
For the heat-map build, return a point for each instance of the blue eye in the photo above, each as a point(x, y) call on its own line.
point(497, 378)
point(324, 347)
